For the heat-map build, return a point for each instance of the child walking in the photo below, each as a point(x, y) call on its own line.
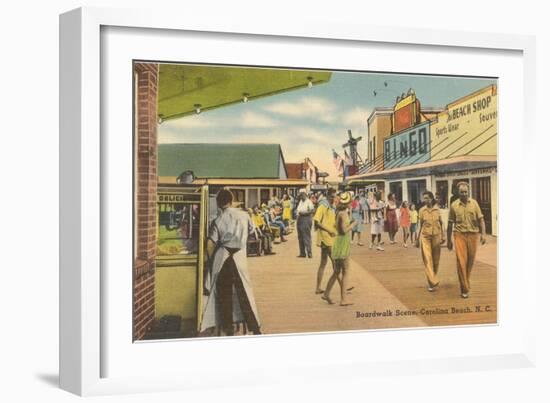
point(414, 223)
point(405, 222)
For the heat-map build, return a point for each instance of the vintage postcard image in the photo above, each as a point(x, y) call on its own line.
point(280, 201)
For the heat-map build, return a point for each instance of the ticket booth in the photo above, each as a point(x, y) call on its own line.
point(181, 235)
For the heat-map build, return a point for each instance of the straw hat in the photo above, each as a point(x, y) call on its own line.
point(345, 198)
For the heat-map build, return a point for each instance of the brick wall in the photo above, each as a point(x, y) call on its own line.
point(145, 141)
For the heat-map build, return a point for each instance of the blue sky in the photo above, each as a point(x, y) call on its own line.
point(310, 122)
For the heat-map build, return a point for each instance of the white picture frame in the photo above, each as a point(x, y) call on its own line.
point(83, 305)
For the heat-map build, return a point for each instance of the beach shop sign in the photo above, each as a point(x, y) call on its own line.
point(468, 126)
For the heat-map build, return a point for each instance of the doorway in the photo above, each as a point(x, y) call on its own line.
point(415, 190)
point(397, 189)
point(481, 192)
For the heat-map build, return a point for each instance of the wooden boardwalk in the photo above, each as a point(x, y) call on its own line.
point(390, 290)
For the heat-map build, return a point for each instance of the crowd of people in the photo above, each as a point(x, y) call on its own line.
point(273, 221)
point(338, 220)
point(341, 218)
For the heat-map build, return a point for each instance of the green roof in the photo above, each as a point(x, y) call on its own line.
point(245, 161)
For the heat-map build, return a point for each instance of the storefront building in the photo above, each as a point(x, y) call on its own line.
point(380, 127)
point(253, 172)
point(308, 171)
point(385, 122)
point(457, 144)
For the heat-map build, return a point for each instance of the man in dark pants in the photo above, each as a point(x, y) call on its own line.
point(229, 280)
point(304, 212)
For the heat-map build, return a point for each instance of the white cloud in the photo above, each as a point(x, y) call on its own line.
point(316, 144)
point(262, 138)
point(320, 154)
point(247, 120)
point(314, 108)
point(296, 138)
point(253, 120)
point(357, 117)
point(309, 134)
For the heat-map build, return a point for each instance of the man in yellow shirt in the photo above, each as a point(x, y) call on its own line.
point(258, 218)
point(325, 223)
point(469, 230)
point(265, 232)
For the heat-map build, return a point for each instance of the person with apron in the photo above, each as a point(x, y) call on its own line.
point(229, 296)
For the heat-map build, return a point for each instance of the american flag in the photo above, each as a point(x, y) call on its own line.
point(338, 163)
point(336, 160)
point(347, 159)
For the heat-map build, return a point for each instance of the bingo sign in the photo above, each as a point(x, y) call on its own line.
point(409, 147)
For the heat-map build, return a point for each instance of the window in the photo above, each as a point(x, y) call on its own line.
point(397, 189)
point(371, 158)
point(442, 193)
point(415, 189)
point(238, 197)
point(252, 197)
point(178, 228)
point(374, 148)
point(264, 196)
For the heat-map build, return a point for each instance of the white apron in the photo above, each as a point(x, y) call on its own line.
point(230, 229)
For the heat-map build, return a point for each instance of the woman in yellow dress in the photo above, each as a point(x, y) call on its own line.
point(287, 210)
point(341, 250)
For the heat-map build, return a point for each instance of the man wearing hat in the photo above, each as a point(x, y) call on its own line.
point(325, 223)
point(304, 212)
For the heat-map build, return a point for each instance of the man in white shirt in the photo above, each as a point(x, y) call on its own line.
point(377, 221)
point(304, 211)
point(364, 206)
